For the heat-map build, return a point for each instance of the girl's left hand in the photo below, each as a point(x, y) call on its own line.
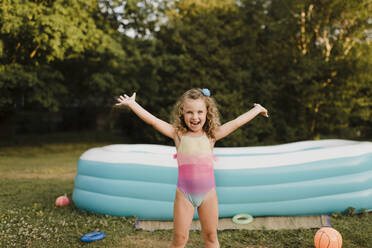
point(263, 111)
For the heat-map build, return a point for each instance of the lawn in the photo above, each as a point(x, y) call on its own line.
point(34, 171)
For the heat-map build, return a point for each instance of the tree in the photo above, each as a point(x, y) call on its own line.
point(35, 36)
point(38, 39)
point(323, 39)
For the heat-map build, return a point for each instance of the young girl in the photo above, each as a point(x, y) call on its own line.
point(195, 130)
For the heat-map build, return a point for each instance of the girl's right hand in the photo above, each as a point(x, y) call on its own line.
point(126, 100)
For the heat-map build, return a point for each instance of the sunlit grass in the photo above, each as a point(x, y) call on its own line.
point(44, 159)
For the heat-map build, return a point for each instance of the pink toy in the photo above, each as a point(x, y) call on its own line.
point(62, 201)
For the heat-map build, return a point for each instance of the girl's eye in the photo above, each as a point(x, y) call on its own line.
point(200, 112)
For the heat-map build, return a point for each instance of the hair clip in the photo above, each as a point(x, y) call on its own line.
point(206, 92)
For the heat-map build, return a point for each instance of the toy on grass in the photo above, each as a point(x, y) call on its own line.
point(62, 201)
point(242, 219)
point(94, 236)
point(327, 237)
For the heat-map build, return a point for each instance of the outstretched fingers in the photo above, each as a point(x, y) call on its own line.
point(125, 99)
point(121, 100)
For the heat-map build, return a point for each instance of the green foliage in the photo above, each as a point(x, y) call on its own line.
point(26, 85)
point(41, 31)
point(37, 35)
point(308, 62)
point(293, 57)
point(319, 77)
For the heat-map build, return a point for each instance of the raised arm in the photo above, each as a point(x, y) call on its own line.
point(160, 125)
point(229, 127)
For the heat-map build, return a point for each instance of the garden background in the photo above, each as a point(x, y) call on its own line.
point(308, 62)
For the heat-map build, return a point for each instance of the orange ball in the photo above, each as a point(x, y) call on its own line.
point(62, 201)
point(327, 237)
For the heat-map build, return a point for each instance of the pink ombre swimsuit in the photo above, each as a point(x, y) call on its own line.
point(195, 168)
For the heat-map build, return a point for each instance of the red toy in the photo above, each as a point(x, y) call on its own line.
point(62, 201)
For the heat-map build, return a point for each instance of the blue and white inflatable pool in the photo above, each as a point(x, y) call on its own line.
point(302, 178)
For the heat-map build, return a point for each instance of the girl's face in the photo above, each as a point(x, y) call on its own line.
point(194, 114)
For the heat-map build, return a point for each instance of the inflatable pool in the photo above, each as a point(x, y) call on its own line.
point(302, 178)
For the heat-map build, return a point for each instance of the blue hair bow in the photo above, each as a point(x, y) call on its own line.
point(206, 92)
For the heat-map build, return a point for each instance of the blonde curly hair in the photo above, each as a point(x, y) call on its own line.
point(212, 118)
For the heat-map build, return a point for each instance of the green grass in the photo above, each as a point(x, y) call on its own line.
point(33, 175)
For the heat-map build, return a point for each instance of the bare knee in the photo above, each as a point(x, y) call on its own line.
point(179, 239)
point(210, 237)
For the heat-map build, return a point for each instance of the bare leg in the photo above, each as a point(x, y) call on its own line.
point(208, 215)
point(182, 219)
